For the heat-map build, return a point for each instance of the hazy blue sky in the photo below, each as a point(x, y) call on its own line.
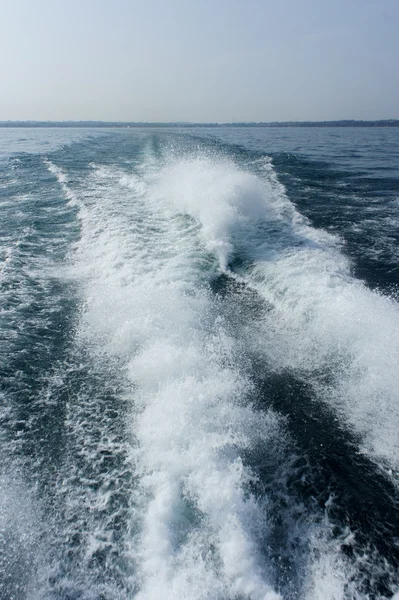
point(158, 60)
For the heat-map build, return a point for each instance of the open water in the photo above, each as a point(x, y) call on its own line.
point(199, 364)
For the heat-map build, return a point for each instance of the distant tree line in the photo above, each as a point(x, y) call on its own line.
point(345, 123)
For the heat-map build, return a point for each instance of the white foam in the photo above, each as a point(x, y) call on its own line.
point(142, 267)
point(143, 257)
point(328, 576)
point(325, 320)
point(20, 543)
point(321, 314)
point(220, 196)
point(63, 181)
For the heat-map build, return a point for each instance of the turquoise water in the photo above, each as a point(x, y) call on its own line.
point(200, 340)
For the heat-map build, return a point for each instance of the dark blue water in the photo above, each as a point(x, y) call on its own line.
point(199, 383)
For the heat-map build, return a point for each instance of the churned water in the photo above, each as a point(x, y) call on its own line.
point(199, 364)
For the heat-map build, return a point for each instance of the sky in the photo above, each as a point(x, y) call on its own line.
point(199, 61)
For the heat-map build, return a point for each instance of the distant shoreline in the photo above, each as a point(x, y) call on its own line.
point(109, 124)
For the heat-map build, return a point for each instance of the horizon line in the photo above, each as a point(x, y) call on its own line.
point(35, 122)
